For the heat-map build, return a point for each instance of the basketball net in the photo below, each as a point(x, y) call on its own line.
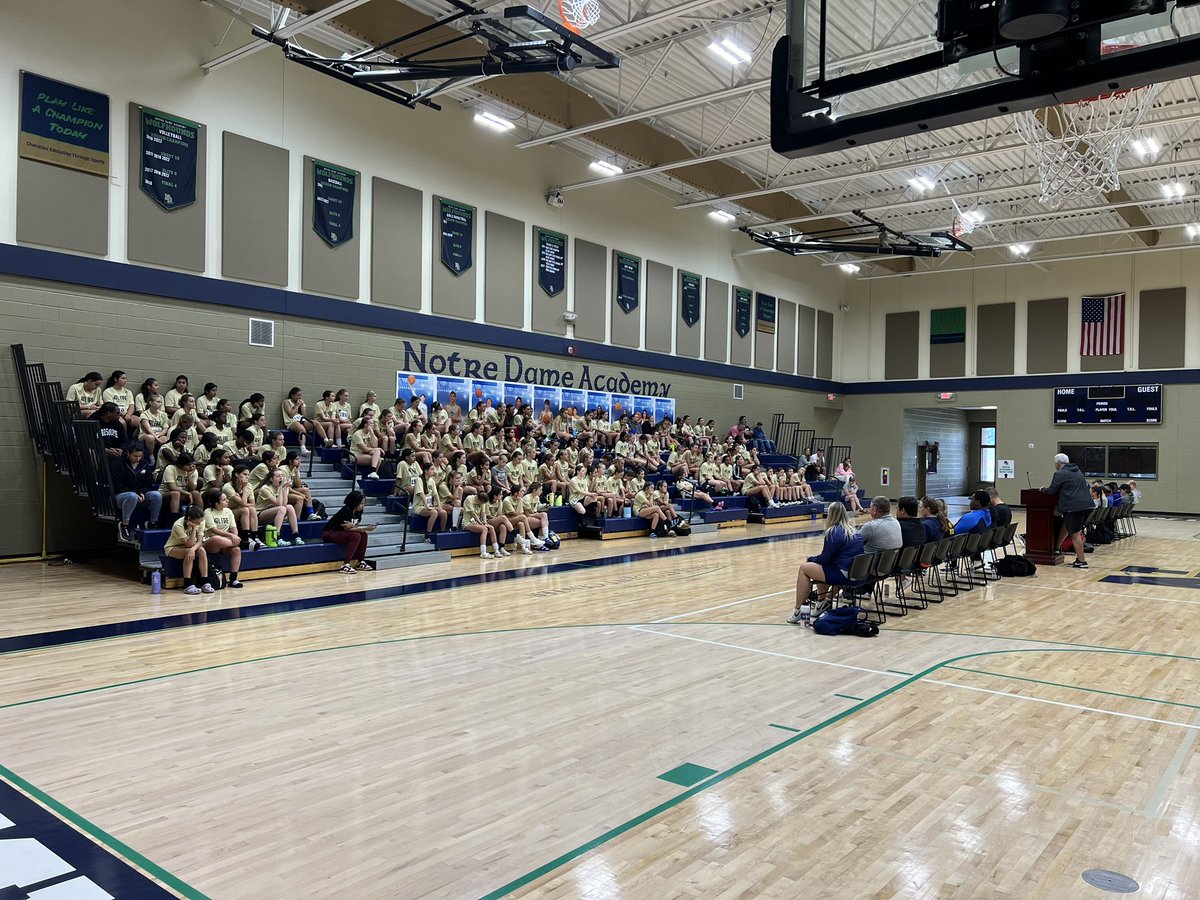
point(1077, 144)
point(579, 14)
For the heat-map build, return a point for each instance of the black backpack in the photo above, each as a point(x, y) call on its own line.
point(1015, 567)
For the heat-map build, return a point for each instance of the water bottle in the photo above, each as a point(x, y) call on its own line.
point(156, 582)
point(628, 514)
point(805, 613)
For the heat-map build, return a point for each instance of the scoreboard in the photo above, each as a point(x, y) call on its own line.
point(1109, 404)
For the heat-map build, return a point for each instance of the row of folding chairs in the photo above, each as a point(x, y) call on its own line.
point(1119, 518)
point(926, 574)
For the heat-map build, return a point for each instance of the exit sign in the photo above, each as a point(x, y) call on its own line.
point(947, 395)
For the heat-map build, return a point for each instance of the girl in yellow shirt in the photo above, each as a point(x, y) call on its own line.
point(117, 392)
point(86, 392)
point(220, 533)
point(186, 543)
point(475, 521)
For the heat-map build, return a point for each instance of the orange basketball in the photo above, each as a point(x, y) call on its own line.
point(412, 379)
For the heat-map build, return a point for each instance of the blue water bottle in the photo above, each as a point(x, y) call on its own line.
point(156, 582)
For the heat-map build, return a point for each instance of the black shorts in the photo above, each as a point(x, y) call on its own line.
point(1074, 520)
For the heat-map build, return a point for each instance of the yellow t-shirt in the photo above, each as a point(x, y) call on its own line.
point(417, 493)
point(155, 423)
point(341, 411)
point(218, 519)
point(224, 436)
point(472, 442)
point(749, 480)
point(141, 404)
point(360, 442)
point(640, 502)
point(473, 510)
point(171, 400)
point(529, 503)
point(491, 510)
point(213, 473)
point(185, 481)
point(265, 497)
point(510, 506)
point(181, 534)
point(372, 407)
point(259, 476)
point(123, 397)
point(578, 488)
point(708, 471)
point(230, 490)
point(85, 397)
point(326, 410)
point(206, 405)
point(179, 414)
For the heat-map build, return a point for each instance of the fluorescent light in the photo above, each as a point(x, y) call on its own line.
point(921, 184)
point(728, 50)
point(1146, 146)
point(604, 167)
point(1019, 249)
point(1193, 230)
point(974, 216)
point(495, 122)
point(849, 268)
point(1173, 190)
point(721, 216)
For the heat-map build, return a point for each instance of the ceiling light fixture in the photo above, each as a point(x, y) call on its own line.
point(604, 167)
point(722, 216)
point(1146, 147)
point(1019, 250)
point(850, 268)
point(921, 184)
point(1173, 190)
point(728, 50)
point(494, 122)
point(1193, 230)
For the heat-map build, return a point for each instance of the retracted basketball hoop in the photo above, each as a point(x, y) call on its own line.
point(1077, 144)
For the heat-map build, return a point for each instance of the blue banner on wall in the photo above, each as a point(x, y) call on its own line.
point(766, 314)
point(551, 262)
point(63, 125)
point(414, 384)
point(170, 158)
point(457, 223)
point(644, 405)
point(461, 387)
point(334, 189)
point(741, 311)
point(518, 394)
point(664, 408)
point(598, 400)
point(629, 282)
point(487, 392)
point(620, 405)
point(543, 394)
point(574, 399)
point(689, 298)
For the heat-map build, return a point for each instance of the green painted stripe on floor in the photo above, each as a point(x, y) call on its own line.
point(897, 672)
point(784, 728)
point(1075, 687)
point(687, 774)
point(851, 696)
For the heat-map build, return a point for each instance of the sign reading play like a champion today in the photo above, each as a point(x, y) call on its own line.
point(458, 235)
point(629, 281)
point(689, 298)
point(741, 311)
point(63, 125)
point(766, 314)
point(170, 150)
point(551, 262)
point(333, 202)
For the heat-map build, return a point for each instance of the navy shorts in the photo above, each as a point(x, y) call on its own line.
point(834, 576)
point(1074, 520)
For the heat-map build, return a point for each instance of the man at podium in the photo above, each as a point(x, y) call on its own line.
point(1074, 504)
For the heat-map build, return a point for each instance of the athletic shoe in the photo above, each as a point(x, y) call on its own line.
point(794, 618)
point(1079, 565)
point(483, 554)
point(207, 588)
point(347, 569)
point(537, 543)
point(191, 589)
point(256, 544)
point(525, 547)
point(504, 552)
point(374, 476)
point(671, 532)
point(296, 542)
point(653, 535)
point(364, 567)
point(234, 584)
point(313, 517)
point(124, 533)
point(304, 451)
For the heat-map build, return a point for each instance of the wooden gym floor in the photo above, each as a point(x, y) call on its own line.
point(635, 721)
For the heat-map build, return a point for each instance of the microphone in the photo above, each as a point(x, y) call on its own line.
point(1028, 480)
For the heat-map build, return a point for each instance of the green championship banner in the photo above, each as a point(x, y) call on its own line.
point(63, 125)
point(629, 281)
point(948, 326)
point(766, 314)
point(689, 298)
point(741, 311)
point(458, 235)
point(334, 189)
point(551, 262)
point(170, 154)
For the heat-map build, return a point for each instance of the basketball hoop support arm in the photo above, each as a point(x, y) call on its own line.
point(800, 104)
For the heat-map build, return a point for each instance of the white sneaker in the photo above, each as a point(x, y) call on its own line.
point(304, 451)
point(525, 547)
point(483, 554)
point(504, 552)
point(537, 543)
point(374, 476)
point(296, 542)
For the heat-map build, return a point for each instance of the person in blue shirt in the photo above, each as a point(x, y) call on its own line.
point(937, 526)
point(831, 567)
point(978, 518)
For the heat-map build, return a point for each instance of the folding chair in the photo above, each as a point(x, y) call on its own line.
point(992, 544)
point(885, 565)
point(950, 560)
point(963, 573)
point(859, 587)
point(905, 564)
point(924, 569)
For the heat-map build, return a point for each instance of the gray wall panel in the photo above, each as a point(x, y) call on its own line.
point(1162, 327)
point(504, 274)
point(995, 337)
point(660, 305)
point(254, 210)
point(175, 238)
point(591, 290)
point(59, 207)
point(687, 339)
point(764, 346)
point(1046, 336)
point(948, 360)
point(824, 368)
point(325, 269)
point(626, 328)
point(716, 319)
point(902, 331)
point(739, 346)
point(397, 227)
point(547, 311)
point(806, 340)
point(786, 328)
point(454, 295)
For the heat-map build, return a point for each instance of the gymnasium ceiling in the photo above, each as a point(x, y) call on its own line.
point(679, 116)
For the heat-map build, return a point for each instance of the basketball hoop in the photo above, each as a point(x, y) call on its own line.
point(579, 14)
point(1077, 144)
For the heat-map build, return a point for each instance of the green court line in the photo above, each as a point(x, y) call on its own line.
point(687, 774)
point(850, 697)
point(784, 728)
point(1076, 687)
point(151, 868)
point(642, 818)
point(897, 672)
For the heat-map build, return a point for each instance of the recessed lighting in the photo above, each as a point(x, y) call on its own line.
point(728, 50)
point(721, 216)
point(1019, 249)
point(849, 268)
point(1173, 190)
point(974, 216)
point(1193, 230)
point(921, 184)
point(1146, 146)
point(495, 122)
point(604, 167)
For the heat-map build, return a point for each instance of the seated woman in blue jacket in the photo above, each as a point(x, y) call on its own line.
point(831, 567)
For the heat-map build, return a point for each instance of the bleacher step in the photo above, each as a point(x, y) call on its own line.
point(425, 557)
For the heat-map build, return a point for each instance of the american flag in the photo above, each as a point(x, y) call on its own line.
point(1103, 332)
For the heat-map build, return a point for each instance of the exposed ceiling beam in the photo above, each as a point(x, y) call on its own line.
point(751, 147)
point(287, 31)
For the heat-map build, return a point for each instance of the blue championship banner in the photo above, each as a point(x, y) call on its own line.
point(689, 298)
point(333, 202)
point(170, 155)
point(457, 224)
point(741, 311)
point(629, 282)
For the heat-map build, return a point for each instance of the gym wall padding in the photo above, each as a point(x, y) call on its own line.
point(333, 271)
point(785, 328)
point(995, 336)
point(254, 210)
point(1162, 317)
point(902, 331)
point(806, 339)
point(591, 290)
point(660, 305)
point(397, 230)
point(824, 344)
point(1046, 336)
point(62, 208)
point(504, 271)
point(716, 319)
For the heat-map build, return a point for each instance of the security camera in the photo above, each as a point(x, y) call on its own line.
point(556, 199)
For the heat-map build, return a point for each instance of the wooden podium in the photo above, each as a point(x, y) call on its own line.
point(1041, 528)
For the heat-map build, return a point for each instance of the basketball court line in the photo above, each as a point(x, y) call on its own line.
point(1035, 587)
point(697, 612)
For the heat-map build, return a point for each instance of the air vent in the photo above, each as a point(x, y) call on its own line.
point(739, 392)
point(262, 333)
